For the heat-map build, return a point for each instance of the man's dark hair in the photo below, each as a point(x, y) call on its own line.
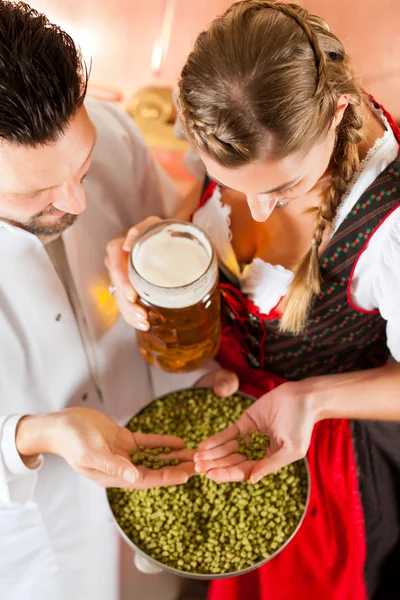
point(43, 78)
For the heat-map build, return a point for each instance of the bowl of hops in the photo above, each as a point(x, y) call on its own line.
point(204, 529)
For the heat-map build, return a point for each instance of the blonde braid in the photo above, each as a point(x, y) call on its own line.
point(307, 279)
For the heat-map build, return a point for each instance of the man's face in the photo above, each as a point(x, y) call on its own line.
point(41, 188)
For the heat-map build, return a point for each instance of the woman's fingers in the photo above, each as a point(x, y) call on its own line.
point(219, 439)
point(224, 382)
point(222, 463)
point(218, 452)
point(273, 463)
point(235, 473)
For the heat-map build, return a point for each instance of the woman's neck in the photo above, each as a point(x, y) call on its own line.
point(372, 130)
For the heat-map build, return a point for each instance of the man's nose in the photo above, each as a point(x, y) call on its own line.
point(72, 199)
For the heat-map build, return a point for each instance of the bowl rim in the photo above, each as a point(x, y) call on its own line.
point(210, 576)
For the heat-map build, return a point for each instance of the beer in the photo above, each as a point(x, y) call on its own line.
point(174, 271)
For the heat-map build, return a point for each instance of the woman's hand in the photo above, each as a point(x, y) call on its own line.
point(286, 414)
point(98, 448)
point(224, 382)
point(116, 261)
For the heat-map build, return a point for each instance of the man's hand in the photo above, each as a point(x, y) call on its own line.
point(98, 448)
point(116, 261)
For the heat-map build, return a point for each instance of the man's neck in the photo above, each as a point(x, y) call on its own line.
point(46, 239)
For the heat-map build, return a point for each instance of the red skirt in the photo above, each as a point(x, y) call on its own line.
point(325, 560)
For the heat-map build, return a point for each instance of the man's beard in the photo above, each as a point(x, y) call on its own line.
point(43, 224)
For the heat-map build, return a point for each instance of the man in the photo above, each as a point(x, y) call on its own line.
point(67, 359)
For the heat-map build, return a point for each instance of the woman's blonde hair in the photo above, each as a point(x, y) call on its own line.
point(263, 82)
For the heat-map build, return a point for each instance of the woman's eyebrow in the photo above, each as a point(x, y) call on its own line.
point(277, 189)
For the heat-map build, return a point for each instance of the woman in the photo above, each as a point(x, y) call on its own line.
point(310, 282)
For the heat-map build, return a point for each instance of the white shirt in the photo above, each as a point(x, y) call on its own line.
point(376, 280)
point(57, 539)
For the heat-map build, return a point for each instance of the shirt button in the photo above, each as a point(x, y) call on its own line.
point(59, 317)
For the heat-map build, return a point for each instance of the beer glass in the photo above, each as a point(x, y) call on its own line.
point(174, 270)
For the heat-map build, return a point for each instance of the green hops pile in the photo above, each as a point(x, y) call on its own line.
point(255, 448)
point(203, 527)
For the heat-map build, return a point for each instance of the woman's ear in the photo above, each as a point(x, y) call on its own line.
point(342, 104)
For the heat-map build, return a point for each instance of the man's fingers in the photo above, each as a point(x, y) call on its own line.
point(133, 314)
point(149, 478)
point(184, 455)
point(146, 478)
point(112, 466)
point(105, 481)
point(188, 467)
point(135, 230)
point(116, 262)
point(153, 440)
point(219, 439)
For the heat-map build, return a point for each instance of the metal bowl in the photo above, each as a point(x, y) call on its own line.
point(203, 576)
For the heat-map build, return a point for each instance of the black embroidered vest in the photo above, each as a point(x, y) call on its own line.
point(338, 337)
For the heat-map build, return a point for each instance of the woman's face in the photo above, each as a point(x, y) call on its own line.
point(286, 180)
point(266, 183)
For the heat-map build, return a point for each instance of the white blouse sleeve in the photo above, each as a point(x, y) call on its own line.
point(17, 481)
point(386, 287)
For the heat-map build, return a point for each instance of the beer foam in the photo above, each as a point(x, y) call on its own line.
point(171, 261)
point(173, 265)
